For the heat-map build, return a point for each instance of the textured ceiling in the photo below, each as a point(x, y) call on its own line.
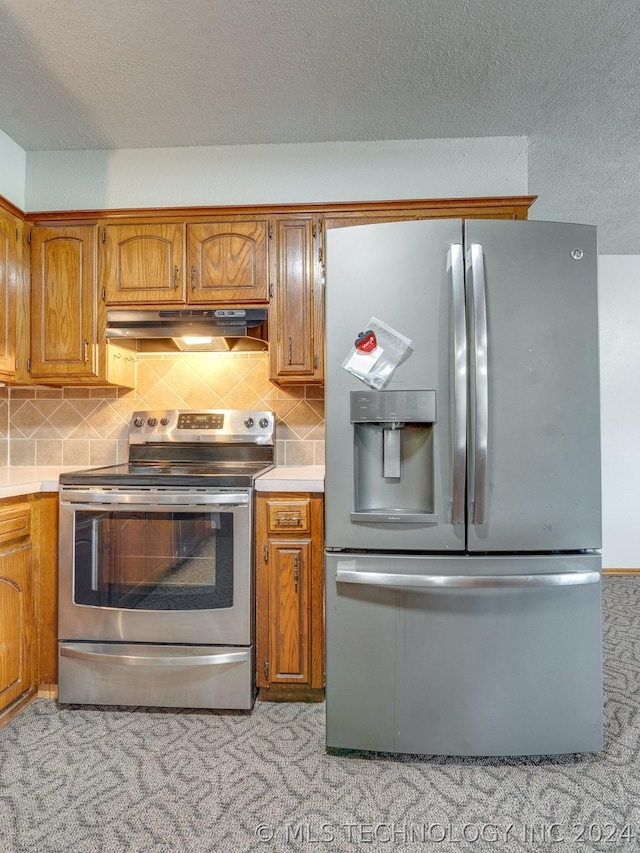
point(78, 74)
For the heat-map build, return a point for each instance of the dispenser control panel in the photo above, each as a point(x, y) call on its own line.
point(393, 407)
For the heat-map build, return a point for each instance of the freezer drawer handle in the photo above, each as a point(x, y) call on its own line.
point(381, 516)
point(148, 660)
point(466, 581)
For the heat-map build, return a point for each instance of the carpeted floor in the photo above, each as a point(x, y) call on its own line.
point(89, 780)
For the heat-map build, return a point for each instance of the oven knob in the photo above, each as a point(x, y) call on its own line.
point(152, 422)
point(164, 421)
point(138, 422)
point(264, 423)
point(248, 423)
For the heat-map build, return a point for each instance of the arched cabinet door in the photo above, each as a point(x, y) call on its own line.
point(228, 261)
point(142, 263)
point(64, 336)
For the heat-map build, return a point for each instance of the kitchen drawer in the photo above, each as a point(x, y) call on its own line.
point(15, 522)
point(287, 516)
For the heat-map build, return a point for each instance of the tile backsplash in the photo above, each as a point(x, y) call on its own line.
point(89, 426)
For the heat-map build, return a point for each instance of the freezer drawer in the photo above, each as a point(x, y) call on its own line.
point(464, 655)
point(156, 675)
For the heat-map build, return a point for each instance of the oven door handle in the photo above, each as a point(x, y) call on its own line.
point(193, 659)
point(148, 500)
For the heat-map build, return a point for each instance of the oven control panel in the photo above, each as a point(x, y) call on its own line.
point(200, 420)
point(208, 426)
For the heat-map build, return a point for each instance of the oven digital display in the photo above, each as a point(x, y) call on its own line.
point(193, 420)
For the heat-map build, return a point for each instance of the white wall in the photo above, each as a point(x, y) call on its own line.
point(13, 164)
point(276, 174)
point(619, 309)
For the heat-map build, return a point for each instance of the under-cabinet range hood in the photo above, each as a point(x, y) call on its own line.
point(189, 330)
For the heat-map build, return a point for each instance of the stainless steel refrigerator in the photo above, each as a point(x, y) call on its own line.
point(463, 585)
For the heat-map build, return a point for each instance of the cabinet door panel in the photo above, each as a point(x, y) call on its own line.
point(143, 263)
point(295, 354)
point(8, 272)
point(289, 608)
point(228, 261)
point(15, 623)
point(63, 302)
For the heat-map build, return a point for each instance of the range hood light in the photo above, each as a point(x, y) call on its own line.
point(192, 341)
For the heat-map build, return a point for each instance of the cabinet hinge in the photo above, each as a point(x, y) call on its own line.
point(265, 553)
point(315, 361)
point(266, 669)
point(29, 237)
point(104, 235)
point(271, 232)
point(271, 290)
point(17, 233)
point(314, 231)
point(104, 294)
point(28, 365)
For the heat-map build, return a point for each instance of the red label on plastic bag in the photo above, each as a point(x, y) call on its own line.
point(366, 341)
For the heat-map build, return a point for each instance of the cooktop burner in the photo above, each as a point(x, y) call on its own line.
point(222, 448)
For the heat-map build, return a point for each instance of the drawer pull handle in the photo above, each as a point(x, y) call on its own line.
point(289, 520)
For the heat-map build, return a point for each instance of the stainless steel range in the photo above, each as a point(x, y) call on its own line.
point(156, 592)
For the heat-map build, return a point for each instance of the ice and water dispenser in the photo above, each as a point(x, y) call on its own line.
point(393, 434)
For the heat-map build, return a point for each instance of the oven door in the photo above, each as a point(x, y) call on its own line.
point(156, 565)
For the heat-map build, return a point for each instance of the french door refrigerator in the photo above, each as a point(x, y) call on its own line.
point(463, 585)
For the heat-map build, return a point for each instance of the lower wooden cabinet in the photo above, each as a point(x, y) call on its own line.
point(28, 600)
point(289, 596)
point(17, 671)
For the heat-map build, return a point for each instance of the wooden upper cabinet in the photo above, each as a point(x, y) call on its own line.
point(63, 302)
point(9, 231)
point(228, 261)
point(142, 263)
point(296, 336)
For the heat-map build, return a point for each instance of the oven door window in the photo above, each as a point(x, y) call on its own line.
point(153, 560)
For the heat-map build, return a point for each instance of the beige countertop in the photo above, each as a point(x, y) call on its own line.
point(294, 478)
point(16, 480)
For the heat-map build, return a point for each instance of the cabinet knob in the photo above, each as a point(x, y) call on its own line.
point(176, 275)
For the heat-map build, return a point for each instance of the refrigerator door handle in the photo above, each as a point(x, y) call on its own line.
point(481, 384)
point(431, 582)
point(456, 264)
